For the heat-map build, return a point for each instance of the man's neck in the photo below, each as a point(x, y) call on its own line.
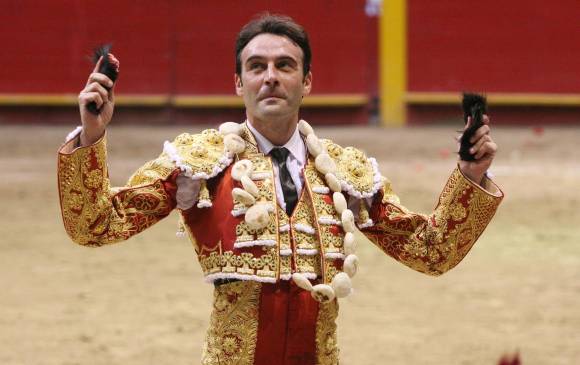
point(278, 132)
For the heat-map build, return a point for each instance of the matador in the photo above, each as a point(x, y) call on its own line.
point(272, 210)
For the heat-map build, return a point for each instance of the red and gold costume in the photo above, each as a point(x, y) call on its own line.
point(260, 316)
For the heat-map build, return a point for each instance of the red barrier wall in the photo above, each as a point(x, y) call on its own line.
point(518, 46)
point(495, 45)
point(174, 47)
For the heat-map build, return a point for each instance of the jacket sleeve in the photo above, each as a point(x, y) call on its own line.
point(94, 214)
point(433, 244)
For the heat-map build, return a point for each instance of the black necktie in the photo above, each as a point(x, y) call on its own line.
point(280, 155)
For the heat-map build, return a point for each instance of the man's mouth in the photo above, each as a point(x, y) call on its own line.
point(273, 96)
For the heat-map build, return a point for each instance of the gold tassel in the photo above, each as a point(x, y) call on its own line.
point(363, 213)
point(204, 200)
point(180, 227)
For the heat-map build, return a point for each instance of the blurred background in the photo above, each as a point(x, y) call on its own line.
point(387, 79)
point(404, 66)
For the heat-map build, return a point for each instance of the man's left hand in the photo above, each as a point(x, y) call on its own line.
point(484, 149)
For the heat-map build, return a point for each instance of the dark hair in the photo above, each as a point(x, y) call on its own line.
point(274, 24)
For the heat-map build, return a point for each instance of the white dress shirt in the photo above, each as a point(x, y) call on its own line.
point(188, 189)
point(295, 161)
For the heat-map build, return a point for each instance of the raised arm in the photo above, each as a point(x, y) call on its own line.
point(95, 214)
point(435, 243)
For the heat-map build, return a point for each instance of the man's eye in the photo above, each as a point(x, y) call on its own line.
point(284, 64)
point(255, 66)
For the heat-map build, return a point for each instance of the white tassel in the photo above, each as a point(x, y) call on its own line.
point(347, 219)
point(242, 168)
point(314, 146)
point(305, 128)
point(243, 197)
point(250, 186)
point(350, 265)
point(339, 202)
point(257, 217)
point(230, 128)
point(332, 182)
point(234, 143)
point(342, 285)
point(322, 293)
point(301, 281)
point(349, 243)
point(324, 164)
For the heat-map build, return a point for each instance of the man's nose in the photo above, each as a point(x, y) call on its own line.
point(271, 75)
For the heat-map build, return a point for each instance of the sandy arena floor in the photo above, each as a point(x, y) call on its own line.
point(144, 301)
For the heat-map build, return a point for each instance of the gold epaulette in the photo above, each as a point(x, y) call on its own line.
point(358, 174)
point(200, 156)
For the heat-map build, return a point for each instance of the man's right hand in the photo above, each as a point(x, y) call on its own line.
point(94, 125)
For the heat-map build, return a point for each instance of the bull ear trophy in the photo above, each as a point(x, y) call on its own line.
point(108, 68)
point(474, 106)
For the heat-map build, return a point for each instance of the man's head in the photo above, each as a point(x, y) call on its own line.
point(272, 68)
point(279, 25)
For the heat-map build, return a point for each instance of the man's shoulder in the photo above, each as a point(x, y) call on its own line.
point(201, 155)
point(358, 174)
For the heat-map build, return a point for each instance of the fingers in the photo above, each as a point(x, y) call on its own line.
point(485, 146)
point(480, 132)
point(114, 61)
point(485, 120)
point(488, 149)
point(479, 143)
point(100, 78)
point(98, 64)
point(98, 88)
point(85, 98)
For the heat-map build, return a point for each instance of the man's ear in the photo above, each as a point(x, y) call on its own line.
point(307, 83)
point(238, 83)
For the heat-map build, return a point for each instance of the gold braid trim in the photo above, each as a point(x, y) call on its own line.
point(436, 243)
point(95, 214)
point(233, 328)
point(326, 339)
point(158, 169)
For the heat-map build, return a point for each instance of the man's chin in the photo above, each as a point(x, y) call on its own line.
point(273, 112)
point(273, 108)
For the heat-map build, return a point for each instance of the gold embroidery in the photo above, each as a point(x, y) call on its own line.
point(303, 212)
point(332, 243)
point(308, 264)
point(266, 189)
point(245, 263)
point(331, 269)
point(284, 241)
point(251, 145)
point(204, 192)
point(352, 166)
point(158, 169)
point(326, 342)
point(434, 244)
point(93, 213)
point(363, 213)
point(233, 329)
point(285, 265)
point(305, 241)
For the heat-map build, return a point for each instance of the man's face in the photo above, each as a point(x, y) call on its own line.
point(272, 80)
